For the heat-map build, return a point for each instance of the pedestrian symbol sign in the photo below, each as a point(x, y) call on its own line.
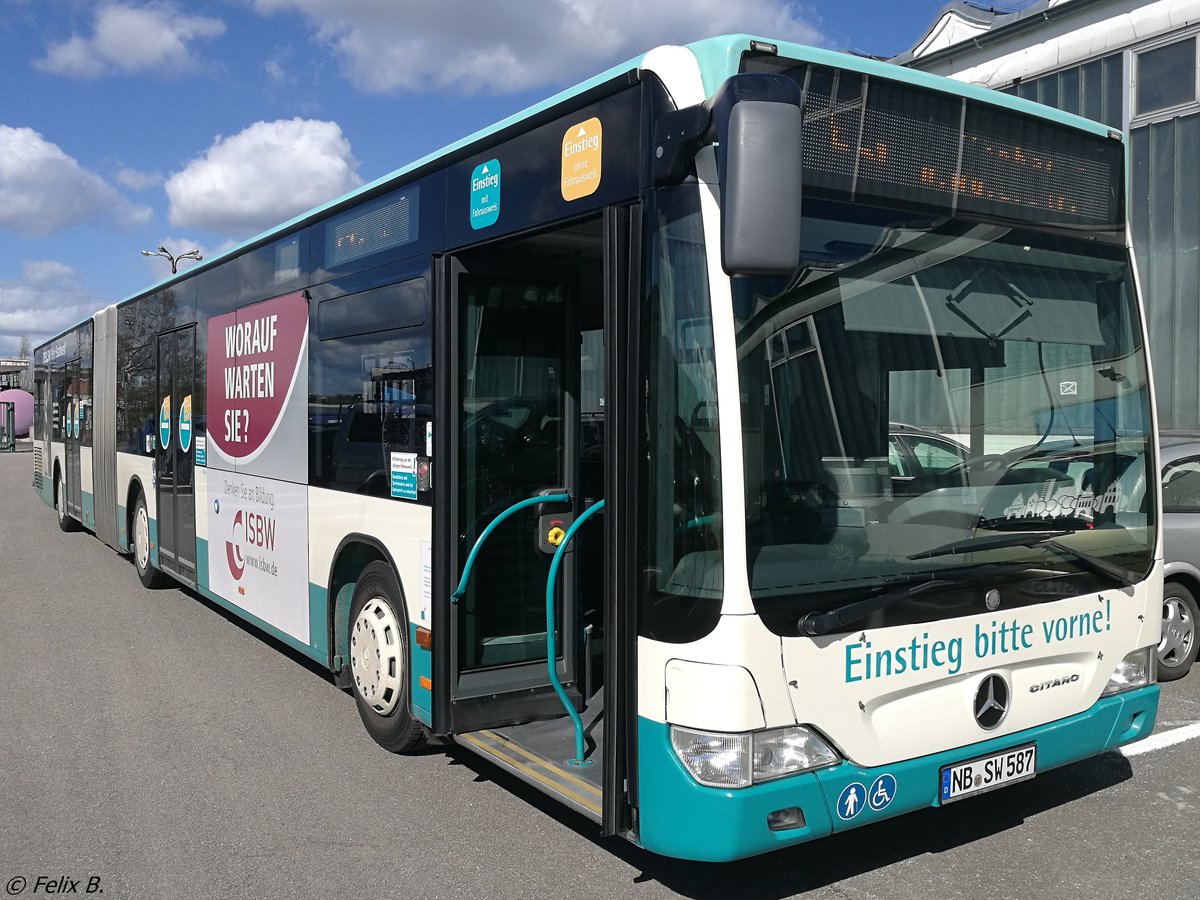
point(883, 789)
point(164, 422)
point(850, 801)
point(185, 424)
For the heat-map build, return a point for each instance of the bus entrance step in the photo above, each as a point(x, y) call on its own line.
point(551, 777)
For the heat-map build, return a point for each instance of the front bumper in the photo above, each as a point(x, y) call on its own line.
point(680, 818)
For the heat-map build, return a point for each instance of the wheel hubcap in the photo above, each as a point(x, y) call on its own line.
point(1178, 632)
point(141, 538)
point(375, 655)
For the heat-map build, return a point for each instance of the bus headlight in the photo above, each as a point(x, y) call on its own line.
point(786, 751)
point(717, 759)
point(1134, 671)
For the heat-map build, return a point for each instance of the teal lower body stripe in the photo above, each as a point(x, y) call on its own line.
point(420, 662)
point(681, 818)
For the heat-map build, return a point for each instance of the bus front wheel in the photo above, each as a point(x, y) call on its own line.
point(378, 651)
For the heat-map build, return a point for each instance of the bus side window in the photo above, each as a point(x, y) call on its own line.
point(371, 392)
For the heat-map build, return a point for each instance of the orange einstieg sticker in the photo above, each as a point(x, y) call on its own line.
point(581, 148)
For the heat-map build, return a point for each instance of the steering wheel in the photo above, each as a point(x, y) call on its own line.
point(495, 437)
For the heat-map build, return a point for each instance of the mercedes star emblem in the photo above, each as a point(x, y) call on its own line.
point(991, 702)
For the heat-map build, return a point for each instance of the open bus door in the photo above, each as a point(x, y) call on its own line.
point(526, 350)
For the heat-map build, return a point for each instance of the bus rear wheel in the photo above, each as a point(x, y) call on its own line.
point(65, 522)
point(378, 651)
point(149, 576)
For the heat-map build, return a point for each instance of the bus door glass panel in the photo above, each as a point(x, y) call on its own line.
point(513, 340)
point(72, 413)
point(174, 447)
point(529, 334)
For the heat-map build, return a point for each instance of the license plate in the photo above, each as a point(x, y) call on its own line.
point(986, 773)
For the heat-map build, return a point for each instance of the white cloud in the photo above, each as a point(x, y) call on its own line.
point(138, 181)
point(128, 39)
point(48, 298)
point(269, 172)
point(43, 190)
point(460, 45)
point(277, 69)
point(42, 273)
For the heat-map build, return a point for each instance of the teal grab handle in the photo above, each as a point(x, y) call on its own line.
point(551, 651)
point(487, 532)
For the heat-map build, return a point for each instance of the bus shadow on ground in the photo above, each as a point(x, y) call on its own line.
point(828, 861)
point(796, 870)
point(250, 629)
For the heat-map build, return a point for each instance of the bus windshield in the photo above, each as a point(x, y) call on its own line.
point(946, 401)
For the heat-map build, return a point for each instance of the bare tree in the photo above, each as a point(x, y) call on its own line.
point(23, 348)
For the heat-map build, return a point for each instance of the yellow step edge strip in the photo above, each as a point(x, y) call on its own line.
point(585, 802)
point(563, 773)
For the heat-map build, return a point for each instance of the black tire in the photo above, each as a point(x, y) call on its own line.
point(378, 651)
point(139, 546)
point(65, 522)
point(1177, 649)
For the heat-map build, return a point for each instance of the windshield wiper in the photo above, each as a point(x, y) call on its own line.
point(1094, 564)
point(913, 585)
point(815, 624)
point(992, 542)
point(1061, 523)
point(1047, 539)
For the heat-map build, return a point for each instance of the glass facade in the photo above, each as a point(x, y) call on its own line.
point(1093, 90)
point(1166, 77)
point(1165, 218)
point(1164, 142)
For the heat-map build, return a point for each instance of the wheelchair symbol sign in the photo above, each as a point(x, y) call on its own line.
point(883, 789)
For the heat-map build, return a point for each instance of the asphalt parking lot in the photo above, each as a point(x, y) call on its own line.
point(152, 746)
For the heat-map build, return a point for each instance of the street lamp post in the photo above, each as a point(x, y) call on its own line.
point(173, 260)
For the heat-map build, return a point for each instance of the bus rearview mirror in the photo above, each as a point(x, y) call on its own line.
point(760, 218)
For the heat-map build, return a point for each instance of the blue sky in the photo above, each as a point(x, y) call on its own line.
point(126, 125)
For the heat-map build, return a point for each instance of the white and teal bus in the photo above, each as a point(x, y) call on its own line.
point(746, 445)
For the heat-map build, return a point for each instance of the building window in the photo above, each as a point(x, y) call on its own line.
point(1092, 89)
point(1166, 76)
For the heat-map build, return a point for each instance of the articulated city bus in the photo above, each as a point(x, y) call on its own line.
point(751, 443)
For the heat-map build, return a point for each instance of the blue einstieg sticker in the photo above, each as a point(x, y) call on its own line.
point(485, 194)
